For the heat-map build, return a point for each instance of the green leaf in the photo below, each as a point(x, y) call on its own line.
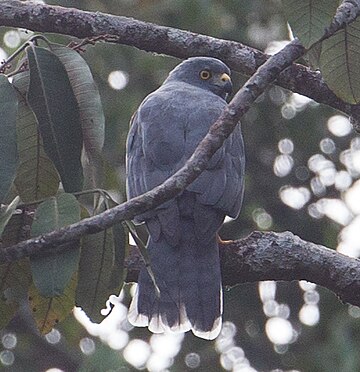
point(36, 176)
point(121, 249)
point(313, 55)
point(15, 279)
point(52, 271)
point(92, 117)
point(340, 62)
point(17, 229)
point(8, 309)
point(8, 148)
point(87, 96)
point(48, 312)
point(6, 212)
point(95, 269)
point(121, 245)
point(308, 19)
point(52, 99)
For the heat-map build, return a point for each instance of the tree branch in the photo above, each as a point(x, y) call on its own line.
point(177, 43)
point(280, 256)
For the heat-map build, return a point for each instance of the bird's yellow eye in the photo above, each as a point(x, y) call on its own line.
point(205, 74)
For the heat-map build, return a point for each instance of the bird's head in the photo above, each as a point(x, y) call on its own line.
point(204, 72)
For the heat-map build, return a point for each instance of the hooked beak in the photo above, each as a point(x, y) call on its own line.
point(226, 83)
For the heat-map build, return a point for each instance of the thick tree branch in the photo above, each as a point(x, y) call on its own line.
point(175, 42)
point(280, 256)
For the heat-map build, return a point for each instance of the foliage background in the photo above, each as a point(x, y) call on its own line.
point(332, 343)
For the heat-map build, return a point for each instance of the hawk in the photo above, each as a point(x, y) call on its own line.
point(183, 240)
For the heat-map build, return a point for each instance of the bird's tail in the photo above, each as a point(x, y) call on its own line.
point(189, 279)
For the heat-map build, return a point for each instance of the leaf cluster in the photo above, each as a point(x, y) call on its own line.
point(51, 139)
point(337, 56)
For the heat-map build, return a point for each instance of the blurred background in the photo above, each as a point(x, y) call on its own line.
point(303, 165)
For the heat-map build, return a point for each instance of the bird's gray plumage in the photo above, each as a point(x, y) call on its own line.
point(183, 249)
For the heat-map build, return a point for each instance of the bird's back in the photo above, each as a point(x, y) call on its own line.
point(182, 246)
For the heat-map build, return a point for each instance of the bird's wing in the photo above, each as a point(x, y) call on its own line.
point(164, 133)
point(156, 143)
point(155, 151)
point(134, 158)
point(232, 196)
point(221, 185)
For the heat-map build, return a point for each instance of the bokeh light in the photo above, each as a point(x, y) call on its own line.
point(118, 339)
point(192, 360)
point(294, 197)
point(53, 337)
point(327, 146)
point(137, 352)
point(277, 95)
point(309, 315)
point(295, 103)
point(288, 111)
point(336, 210)
point(354, 311)
point(164, 347)
point(113, 330)
point(343, 180)
point(283, 165)
point(232, 357)
point(279, 330)
point(339, 125)
point(317, 187)
point(7, 358)
point(118, 79)
point(311, 297)
point(12, 39)
point(349, 243)
point(307, 286)
point(9, 340)
point(167, 344)
point(87, 345)
point(262, 218)
point(267, 290)
point(314, 211)
point(286, 146)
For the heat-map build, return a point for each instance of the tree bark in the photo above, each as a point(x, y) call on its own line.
point(174, 42)
point(280, 256)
